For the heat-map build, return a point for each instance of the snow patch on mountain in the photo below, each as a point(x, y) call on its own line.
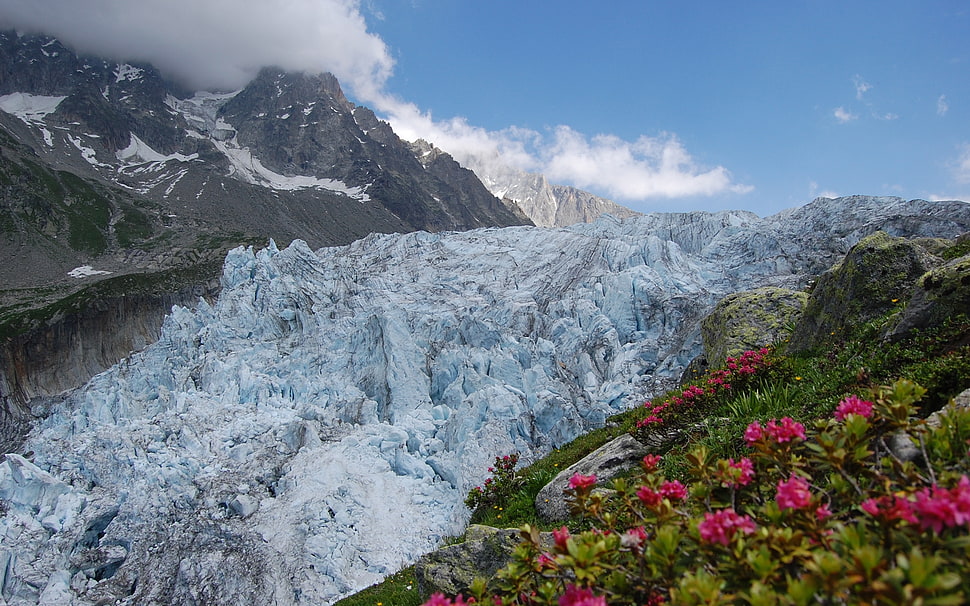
point(85, 271)
point(249, 168)
point(202, 113)
point(126, 72)
point(139, 152)
point(32, 109)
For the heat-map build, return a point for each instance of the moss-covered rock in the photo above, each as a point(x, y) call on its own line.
point(749, 320)
point(940, 293)
point(452, 569)
point(876, 275)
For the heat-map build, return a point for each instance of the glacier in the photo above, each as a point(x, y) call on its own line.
point(318, 425)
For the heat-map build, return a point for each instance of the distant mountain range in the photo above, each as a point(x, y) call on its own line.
point(103, 158)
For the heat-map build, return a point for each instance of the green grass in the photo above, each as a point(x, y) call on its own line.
point(16, 320)
point(400, 589)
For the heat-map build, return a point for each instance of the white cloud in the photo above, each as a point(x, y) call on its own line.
point(216, 44)
point(861, 86)
point(650, 167)
point(947, 198)
point(961, 166)
point(942, 106)
point(843, 115)
point(814, 192)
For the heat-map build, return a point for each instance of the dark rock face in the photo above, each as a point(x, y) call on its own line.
point(939, 294)
point(875, 275)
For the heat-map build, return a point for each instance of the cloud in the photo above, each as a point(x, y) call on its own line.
point(814, 192)
point(648, 168)
point(221, 45)
point(843, 115)
point(861, 87)
point(942, 106)
point(216, 44)
point(961, 166)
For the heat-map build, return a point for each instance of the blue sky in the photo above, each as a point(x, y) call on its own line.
point(675, 105)
point(794, 99)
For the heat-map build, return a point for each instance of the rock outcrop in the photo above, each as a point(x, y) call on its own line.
point(749, 320)
point(606, 462)
point(940, 293)
point(876, 275)
point(484, 550)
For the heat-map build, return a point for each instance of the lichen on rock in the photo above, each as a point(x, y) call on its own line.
point(749, 320)
point(452, 569)
point(876, 274)
point(940, 293)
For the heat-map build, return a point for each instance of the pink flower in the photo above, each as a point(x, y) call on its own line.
point(649, 496)
point(853, 405)
point(721, 526)
point(753, 433)
point(561, 537)
point(439, 599)
point(793, 494)
point(650, 462)
point(673, 490)
point(889, 508)
point(785, 430)
point(939, 508)
point(650, 420)
point(744, 473)
point(822, 512)
point(575, 596)
point(546, 561)
point(581, 482)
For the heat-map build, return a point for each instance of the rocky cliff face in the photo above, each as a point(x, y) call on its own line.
point(548, 205)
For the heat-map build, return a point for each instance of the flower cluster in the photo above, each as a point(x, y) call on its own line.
point(498, 488)
point(734, 474)
point(672, 490)
point(575, 596)
point(580, 482)
point(820, 515)
point(439, 599)
point(736, 374)
point(853, 405)
point(785, 430)
point(931, 508)
point(793, 493)
point(721, 526)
